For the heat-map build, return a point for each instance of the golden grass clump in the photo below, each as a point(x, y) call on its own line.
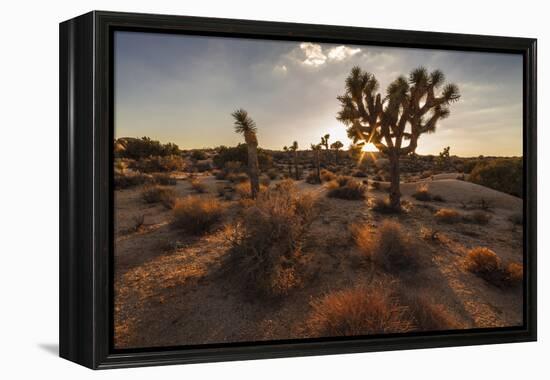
point(327, 175)
point(428, 315)
point(391, 247)
point(242, 189)
point(483, 261)
point(266, 240)
point(359, 311)
point(514, 273)
point(157, 194)
point(197, 215)
point(164, 179)
point(422, 193)
point(448, 215)
point(344, 187)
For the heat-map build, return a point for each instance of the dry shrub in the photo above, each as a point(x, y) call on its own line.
point(125, 181)
point(197, 215)
point(428, 315)
point(312, 178)
point(198, 187)
point(381, 205)
point(391, 248)
point(347, 188)
point(327, 175)
point(359, 173)
point(482, 260)
point(237, 177)
point(422, 193)
point(273, 174)
point(359, 311)
point(243, 189)
point(514, 273)
point(156, 194)
point(164, 179)
point(448, 215)
point(266, 241)
point(479, 217)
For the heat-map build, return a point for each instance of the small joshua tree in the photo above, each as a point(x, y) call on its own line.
point(410, 108)
point(246, 126)
point(324, 142)
point(336, 146)
point(287, 150)
point(294, 149)
point(444, 158)
point(316, 148)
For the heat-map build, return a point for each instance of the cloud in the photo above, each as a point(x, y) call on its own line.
point(341, 53)
point(314, 55)
point(280, 69)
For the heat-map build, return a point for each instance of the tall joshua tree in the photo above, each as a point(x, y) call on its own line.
point(247, 127)
point(411, 107)
point(294, 149)
point(316, 148)
point(336, 146)
point(287, 150)
point(324, 142)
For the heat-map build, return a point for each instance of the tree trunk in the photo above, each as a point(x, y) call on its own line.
point(318, 166)
point(297, 175)
point(253, 170)
point(395, 194)
point(290, 166)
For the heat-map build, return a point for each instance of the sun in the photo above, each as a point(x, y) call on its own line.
point(369, 147)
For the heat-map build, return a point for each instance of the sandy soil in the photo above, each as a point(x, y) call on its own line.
point(168, 290)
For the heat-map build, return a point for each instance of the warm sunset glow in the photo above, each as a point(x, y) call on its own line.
point(369, 147)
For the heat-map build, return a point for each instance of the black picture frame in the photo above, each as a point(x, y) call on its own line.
point(86, 223)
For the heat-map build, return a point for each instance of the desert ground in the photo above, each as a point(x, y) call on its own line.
point(175, 285)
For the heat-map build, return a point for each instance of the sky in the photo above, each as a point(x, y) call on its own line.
point(182, 89)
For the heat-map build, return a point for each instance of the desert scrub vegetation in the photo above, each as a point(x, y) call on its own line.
point(198, 187)
point(479, 217)
point(242, 189)
point(382, 205)
point(503, 174)
point(422, 193)
point(327, 175)
point(514, 273)
point(197, 215)
point(164, 179)
point(486, 264)
point(158, 164)
point(427, 314)
point(344, 187)
point(391, 247)
point(448, 215)
point(266, 241)
point(157, 194)
point(125, 181)
point(372, 309)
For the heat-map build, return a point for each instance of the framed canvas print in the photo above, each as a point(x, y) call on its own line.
point(237, 189)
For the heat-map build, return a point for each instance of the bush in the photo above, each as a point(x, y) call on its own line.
point(158, 164)
point(198, 187)
point(358, 173)
point(447, 215)
point(327, 175)
point(125, 181)
point(479, 217)
point(197, 215)
point(381, 205)
point(392, 248)
point(198, 155)
point(240, 154)
point(503, 174)
point(359, 311)
point(273, 174)
point(482, 261)
point(422, 193)
point(156, 194)
point(429, 315)
point(514, 273)
point(266, 241)
point(164, 179)
point(347, 188)
point(145, 147)
point(312, 178)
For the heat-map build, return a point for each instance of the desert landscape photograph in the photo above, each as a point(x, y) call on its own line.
point(277, 190)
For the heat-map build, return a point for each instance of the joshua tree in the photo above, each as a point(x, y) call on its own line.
point(324, 142)
point(410, 108)
point(316, 148)
point(246, 126)
point(336, 146)
point(444, 158)
point(294, 149)
point(286, 149)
